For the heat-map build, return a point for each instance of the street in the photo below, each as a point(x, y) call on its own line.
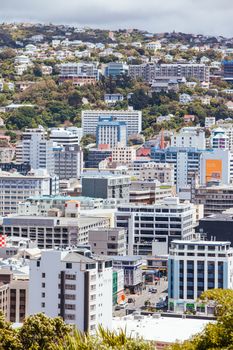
point(140, 299)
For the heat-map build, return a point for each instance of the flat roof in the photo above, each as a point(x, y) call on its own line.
point(64, 198)
point(164, 329)
point(201, 242)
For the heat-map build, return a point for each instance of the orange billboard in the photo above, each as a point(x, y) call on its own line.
point(213, 170)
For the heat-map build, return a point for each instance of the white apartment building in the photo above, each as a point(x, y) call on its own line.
point(66, 136)
point(76, 287)
point(108, 241)
point(132, 118)
point(162, 221)
point(36, 150)
point(162, 172)
point(111, 132)
point(222, 137)
point(209, 122)
point(189, 137)
point(52, 231)
point(194, 267)
point(15, 188)
point(123, 155)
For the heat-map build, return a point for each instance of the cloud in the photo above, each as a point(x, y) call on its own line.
point(191, 16)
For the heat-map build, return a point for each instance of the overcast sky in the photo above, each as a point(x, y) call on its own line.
point(190, 16)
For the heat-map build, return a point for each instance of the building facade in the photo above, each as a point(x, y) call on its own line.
point(76, 287)
point(110, 241)
point(162, 222)
point(111, 132)
point(133, 120)
point(194, 267)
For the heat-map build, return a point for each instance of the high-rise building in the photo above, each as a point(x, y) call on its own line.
point(66, 136)
point(111, 132)
point(73, 285)
point(189, 137)
point(186, 162)
point(108, 186)
point(151, 71)
point(107, 241)
point(228, 70)
point(51, 231)
point(133, 120)
point(162, 221)
point(68, 161)
point(194, 267)
point(15, 188)
point(36, 150)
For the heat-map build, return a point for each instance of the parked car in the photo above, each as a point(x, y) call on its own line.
point(153, 290)
point(117, 307)
point(130, 300)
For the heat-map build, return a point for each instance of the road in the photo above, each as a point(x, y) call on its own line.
point(145, 295)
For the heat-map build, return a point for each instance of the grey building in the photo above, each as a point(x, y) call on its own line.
point(68, 161)
point(108, 241)
point(107, 186)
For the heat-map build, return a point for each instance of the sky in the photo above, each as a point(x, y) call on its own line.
point(211, 17)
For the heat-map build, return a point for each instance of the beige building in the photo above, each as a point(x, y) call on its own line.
point(159, 171)
point(123, 155)
point(108, 241)
point(13, 295)
point(215, 199)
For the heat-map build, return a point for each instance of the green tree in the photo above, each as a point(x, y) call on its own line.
point(8, 336)
point(40, 332)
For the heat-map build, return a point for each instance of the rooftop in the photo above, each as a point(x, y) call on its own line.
point(163, 329)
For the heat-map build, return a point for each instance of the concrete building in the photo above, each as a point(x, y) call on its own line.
point(96, 155)
point(13, 294)
point(219, 139)
point(217, 227)
point(150, 71)
point(106, 186)
point(114, 69)
point(41, 205)
point(66, 136)
point(189, 137)
point(222, 137)
point(215, 199)
point(216, 166)
point(53, 231)
point(79, 73)
point(162, 172)
point(186, 162)
point(36, 150)
point(15, 188)
point(110, 241)
point(133, 120)
point(76, 287)
point(162, 221)
point(228, 70)
point(112, 99)
point(194, 267)
point(210, 122)
point(68, 161)
point(111, 132)
point(149, 192)
point(123, 155)
point(132, 267)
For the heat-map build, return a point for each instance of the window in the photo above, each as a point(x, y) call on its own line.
point(69, 265)
point(42, 304)
point(43, 274)
point(43, 285)
point(43, 295)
